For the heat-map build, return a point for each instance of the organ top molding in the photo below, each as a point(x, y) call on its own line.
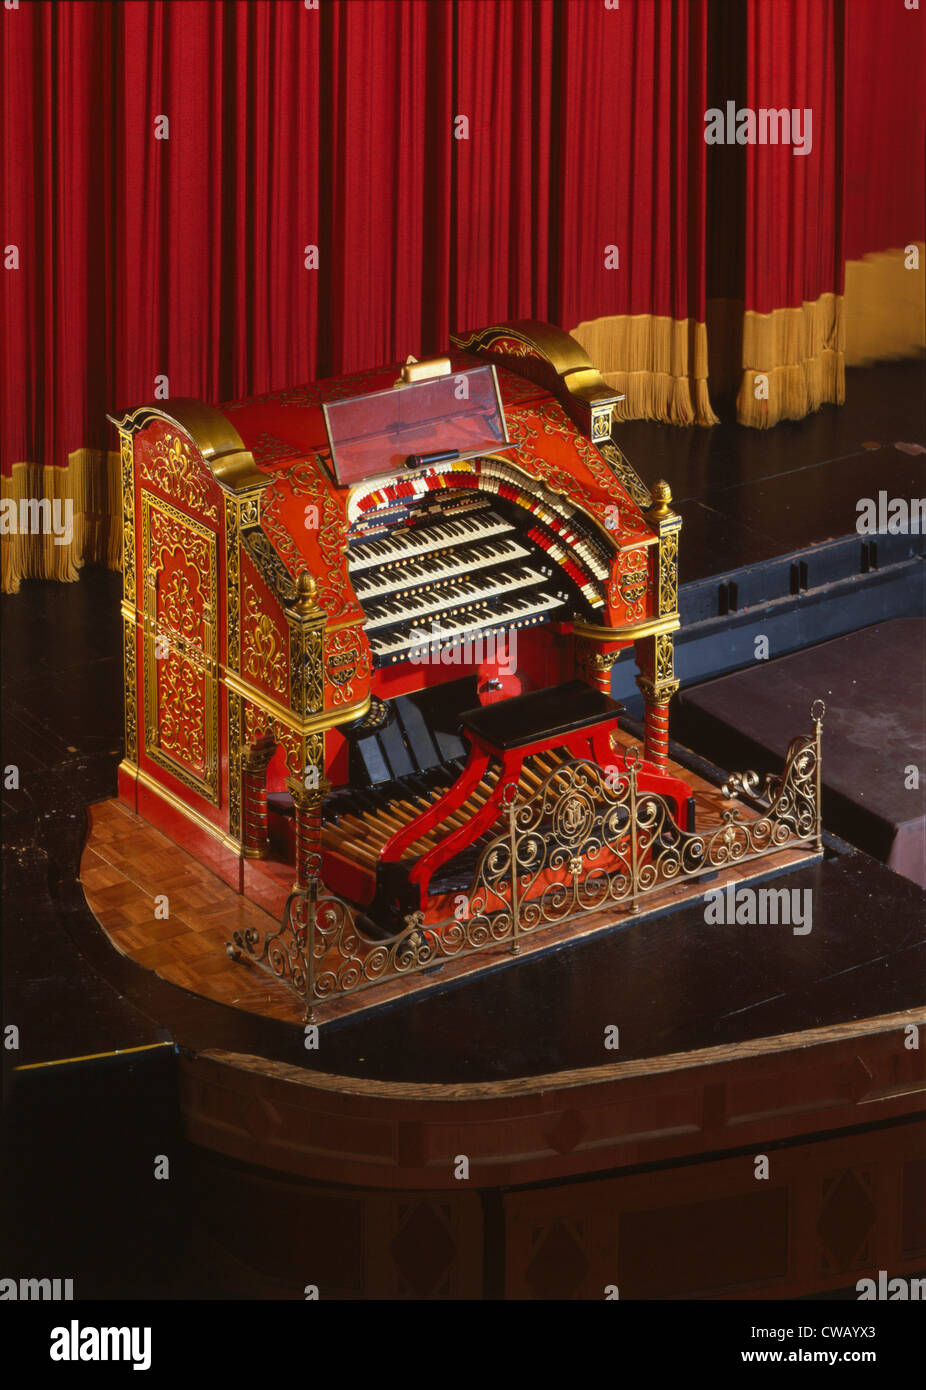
point(222, 448)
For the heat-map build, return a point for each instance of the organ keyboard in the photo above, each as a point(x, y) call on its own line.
point(327, 589)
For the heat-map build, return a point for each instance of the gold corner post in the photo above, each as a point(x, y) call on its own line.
point(655, 656)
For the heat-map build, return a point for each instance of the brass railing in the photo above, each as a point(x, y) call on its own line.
point(587, 840)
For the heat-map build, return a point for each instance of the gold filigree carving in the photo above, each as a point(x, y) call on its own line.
point(601, 425)
point(234, 765)
point(269, 565)
point(334, 594)
point(128, 517)
point(306, 646)
point(129, 655)
point(668, 572)
point(630, 583)
point(173, 469)
point(511, 346)
point(300, 751)
point(347, 658)
point(180, 675)
point(233, 511)
point(130, 690)
point(664, 662)
point(264, 654)
point(181, 709)
point(625, 474)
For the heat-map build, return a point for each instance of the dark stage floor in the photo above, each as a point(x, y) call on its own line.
point(747, 496)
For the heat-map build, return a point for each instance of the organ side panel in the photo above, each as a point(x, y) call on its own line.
point(180, 577)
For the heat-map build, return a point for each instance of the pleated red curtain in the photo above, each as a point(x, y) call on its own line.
point(885, 187)
point(776, 208)
point(212, 199)
point(172, 161)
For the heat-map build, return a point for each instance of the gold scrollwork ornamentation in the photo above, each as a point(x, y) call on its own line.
point(174, 470)
point(664, 667)
point(347, 659)
point(233, 511)
point(511, 346)
point(668, 572)
point(249, 511)
point(305, 480)
point(128, 517)
point(601, 425)
point(269, 565)
point(630, 583)
point(129, 638)
point(625, 474)
point(264, 656)
point(130, 683)
point(234, 765)
point(306, 646)
point(299, 750)
point(181, 709)
point(180, 672)
point(178, 613)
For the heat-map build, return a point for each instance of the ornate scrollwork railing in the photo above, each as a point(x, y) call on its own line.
point(587, 839)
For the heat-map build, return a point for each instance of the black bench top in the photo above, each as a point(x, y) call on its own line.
point(541, 714)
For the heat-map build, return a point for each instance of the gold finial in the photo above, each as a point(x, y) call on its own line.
point(306, 595)
point(662, 496)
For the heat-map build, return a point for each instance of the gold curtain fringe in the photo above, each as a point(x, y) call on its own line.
point(885, 307)
point(801, 353)
point(658, 396)
point(92, 482)
point(794, 390)
point(658, 363)
point(790, 337)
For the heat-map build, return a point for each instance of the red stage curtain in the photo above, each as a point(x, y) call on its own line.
point(885, 270)
point(586, 133)
point(177, 265)
point(774, 328)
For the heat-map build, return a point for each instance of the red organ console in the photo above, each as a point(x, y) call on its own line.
point(363, 615)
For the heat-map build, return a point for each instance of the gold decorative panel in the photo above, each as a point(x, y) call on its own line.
point(180, 687)
point(173, 466)
point(668, 571)
point(264, 655)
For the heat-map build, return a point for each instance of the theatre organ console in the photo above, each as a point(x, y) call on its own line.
point(362, 617)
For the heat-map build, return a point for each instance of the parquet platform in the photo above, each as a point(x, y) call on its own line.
point(127, 866)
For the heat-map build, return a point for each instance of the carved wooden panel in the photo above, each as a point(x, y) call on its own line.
point(630, 590)
point(264, 636)
point(347, 666)
point(179, 562)
point(170, 463)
